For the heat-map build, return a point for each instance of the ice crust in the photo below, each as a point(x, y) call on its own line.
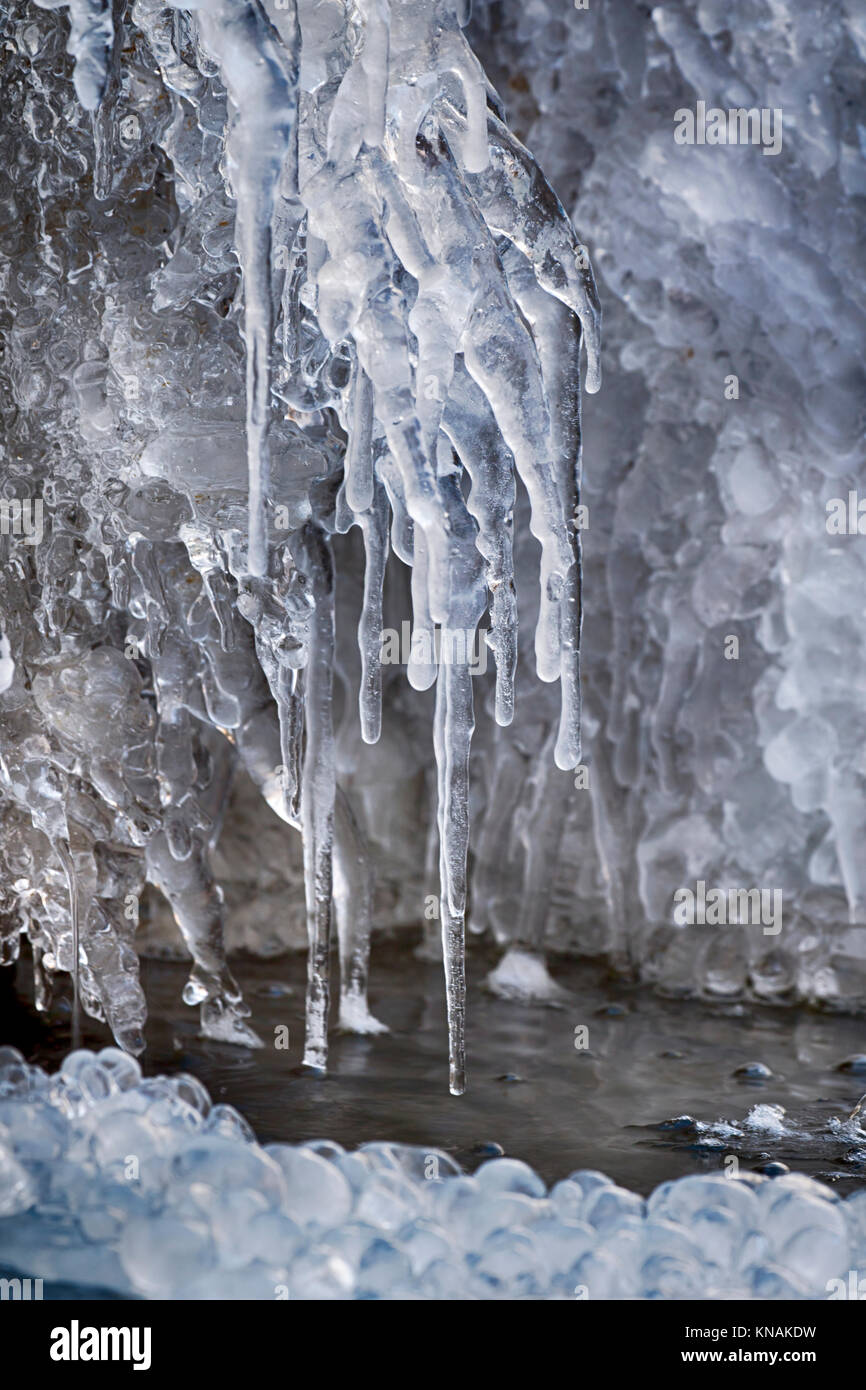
point(285, 297)
point(144, 1187)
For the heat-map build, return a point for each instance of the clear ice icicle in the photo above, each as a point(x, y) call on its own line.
point(318, 793)
point(91, 38)
point(64, 855)
point(261, 77)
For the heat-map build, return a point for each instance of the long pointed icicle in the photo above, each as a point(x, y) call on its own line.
point(454, 725)
point(374, 524)
point(557, 336)
point(452, 736)
point(261, 77)
point(318, 792)
point(353, 905)
point(471, 427)
point(65, 856)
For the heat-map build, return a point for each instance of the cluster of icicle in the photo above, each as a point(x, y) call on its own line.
point(412, 302)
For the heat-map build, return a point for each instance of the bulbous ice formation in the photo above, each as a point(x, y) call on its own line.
point(146, 1188)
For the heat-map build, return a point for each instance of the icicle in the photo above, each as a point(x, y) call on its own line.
point(517, 402)
point(557, 337)
point(104, 118)
point(374, 524)
point(517, 202)
point(374, 63)
point(454, 725)
point(91, 39)
point(353, 903)
point(62, 850)
point(359, 452)
point(428, 302)
point(512, 381)
point(318, 791)
point(261, 78)
point(452, 736)
point(472, 429)
point(475, 151)
point(197, 904)
point(402, 529)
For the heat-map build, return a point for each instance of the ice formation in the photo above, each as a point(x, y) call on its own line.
point(283, 294)
point(732, 416)
point(283, 297)
point(316, 218)
point(146, 1188)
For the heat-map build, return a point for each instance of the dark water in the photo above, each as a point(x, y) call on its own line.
point(648, 1061)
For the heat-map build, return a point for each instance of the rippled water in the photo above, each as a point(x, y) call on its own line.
point(531, 1091)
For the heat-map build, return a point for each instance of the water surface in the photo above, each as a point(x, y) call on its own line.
point(531, 1091)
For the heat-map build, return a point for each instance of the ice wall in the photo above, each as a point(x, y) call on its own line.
point(731, 418)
